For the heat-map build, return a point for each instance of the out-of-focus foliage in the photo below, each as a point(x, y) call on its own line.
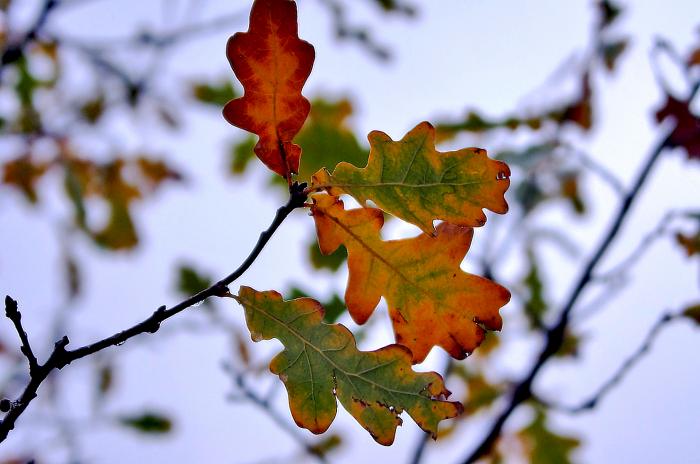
point(148, 423)
point(545, 446)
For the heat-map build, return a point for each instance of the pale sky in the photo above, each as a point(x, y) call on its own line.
point(457, 54)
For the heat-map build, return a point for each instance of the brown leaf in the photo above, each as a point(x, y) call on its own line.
point(686, 133)
point(273, 64)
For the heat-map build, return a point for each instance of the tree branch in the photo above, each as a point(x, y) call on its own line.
point(629, 363)
point(555, 334)
point(14, 51)
point(13, 314)
point(61, 357)
point(264, 404)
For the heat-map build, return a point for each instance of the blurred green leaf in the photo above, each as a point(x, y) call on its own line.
point(105, 380)
point(528, 157)
point(26, 82)
point(535, 305)
point(191, 281)
point(570, 345)
point(241, 154)
point(326, 445)
point(217, 94)
point(331, 262)
point(545, 446)
point(480, 392)
point(326, 139)
point(148, 423)
point(334, 307)
point(609, 12)
point(610, 52)
point(570, 191)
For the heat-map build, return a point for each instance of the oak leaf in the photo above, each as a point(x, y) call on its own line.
point(321, 363)
point(410, 179)
point(431, 300)
point(272, 64)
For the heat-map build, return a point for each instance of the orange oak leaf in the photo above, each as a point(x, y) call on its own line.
point(432, 302)
point(273, 64)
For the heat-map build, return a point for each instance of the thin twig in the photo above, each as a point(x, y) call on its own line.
point(15, 50)
point(595, 167)
point(159, 40)
point(644, 245)
point(264, 404)
point(629, 363)
point(61, 357)
point(555, 334)
point(13, 314)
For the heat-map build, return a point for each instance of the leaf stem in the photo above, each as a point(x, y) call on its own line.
point(61, 357)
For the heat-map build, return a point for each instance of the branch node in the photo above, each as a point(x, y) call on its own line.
point(221, 290)
point(297, 195)
point(59, 357)
point(5, 405)
point(15, 316)
point(152, 324)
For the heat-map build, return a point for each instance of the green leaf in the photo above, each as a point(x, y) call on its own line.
point(535, 306)
point(148, 423)
point(191, 282)
point(610, 52)
point(217, 94)
point(325, 446)
point(321, 364)
point(545, 446)
point(333, 308)
point(332, 261)
point(241, 155)
point(326, 140)
point(410, 179)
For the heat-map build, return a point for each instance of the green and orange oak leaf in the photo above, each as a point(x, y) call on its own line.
point(432, 302)
point(272, 64)
point(410, 179)
point(320, 365)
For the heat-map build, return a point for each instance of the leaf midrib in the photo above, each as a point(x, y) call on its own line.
point(329, 360)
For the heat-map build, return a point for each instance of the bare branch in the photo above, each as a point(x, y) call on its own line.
point(264, 405)
point(60, 357)
point(13, 314)
point(649, 239)
point(620, 374)
point(15, 49)
point(555, 334)
point(595, 167)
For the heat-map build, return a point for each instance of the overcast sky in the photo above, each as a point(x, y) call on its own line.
point(457, 54)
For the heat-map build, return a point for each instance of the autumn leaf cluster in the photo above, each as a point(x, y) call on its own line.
point(431, 301)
